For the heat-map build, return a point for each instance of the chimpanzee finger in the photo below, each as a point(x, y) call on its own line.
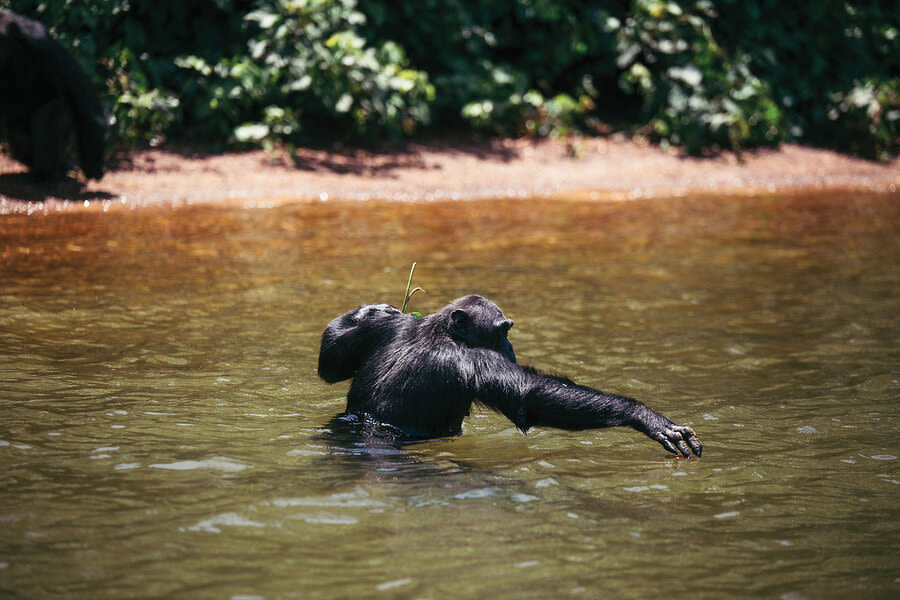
point(673, 435)
point(662, 439)
point(687, 434)
point(694, 443)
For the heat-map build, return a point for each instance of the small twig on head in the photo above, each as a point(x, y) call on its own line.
point(409, 294)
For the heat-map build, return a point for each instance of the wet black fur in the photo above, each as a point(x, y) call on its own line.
point(422, 375)
point(46, 98)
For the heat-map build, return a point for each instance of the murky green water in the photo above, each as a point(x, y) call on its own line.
point(161, 424)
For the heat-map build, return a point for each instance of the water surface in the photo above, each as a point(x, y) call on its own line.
point(164, 434)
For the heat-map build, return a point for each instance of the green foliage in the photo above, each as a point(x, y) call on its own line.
point(143, 113)
point(699, 74)
point(308, 66)
point(867, 117)
point(833, 67)
point(534, 67)
point(695, 95)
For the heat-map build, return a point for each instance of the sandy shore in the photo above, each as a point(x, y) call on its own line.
point(609, 169)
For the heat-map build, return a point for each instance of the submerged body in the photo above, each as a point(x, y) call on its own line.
point(421, 376)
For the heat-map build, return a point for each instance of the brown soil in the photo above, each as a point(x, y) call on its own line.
point(613, 168)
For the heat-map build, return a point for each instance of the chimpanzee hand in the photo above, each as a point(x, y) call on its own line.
point(677, 438)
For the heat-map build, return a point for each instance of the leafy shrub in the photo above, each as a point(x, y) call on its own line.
point(833, 67)
point(308, 66)
point(695, 94)
point(868, 117)
point(523, 67)
point(701, 74)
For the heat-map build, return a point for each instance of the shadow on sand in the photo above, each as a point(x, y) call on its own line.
point(23, 187)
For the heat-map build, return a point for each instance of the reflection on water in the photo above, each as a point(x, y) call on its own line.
point(164, 433)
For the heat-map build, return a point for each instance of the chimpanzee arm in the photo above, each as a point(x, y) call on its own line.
point(530, 398)
point(350, 339)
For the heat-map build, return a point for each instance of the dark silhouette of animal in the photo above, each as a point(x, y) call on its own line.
point(47, 102)
point(421, 376)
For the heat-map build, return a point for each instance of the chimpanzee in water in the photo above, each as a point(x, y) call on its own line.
point(421, 376)
point(46, 95)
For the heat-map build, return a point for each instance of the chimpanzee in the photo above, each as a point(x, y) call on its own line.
point(421, 376)
point(46, 95)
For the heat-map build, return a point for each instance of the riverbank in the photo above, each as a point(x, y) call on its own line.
point(603, 169)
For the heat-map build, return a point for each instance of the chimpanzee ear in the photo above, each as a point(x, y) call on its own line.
point(460, 324)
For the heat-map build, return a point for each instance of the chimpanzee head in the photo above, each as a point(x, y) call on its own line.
point(15, 33)
point(479, 323)
point(364, 323)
